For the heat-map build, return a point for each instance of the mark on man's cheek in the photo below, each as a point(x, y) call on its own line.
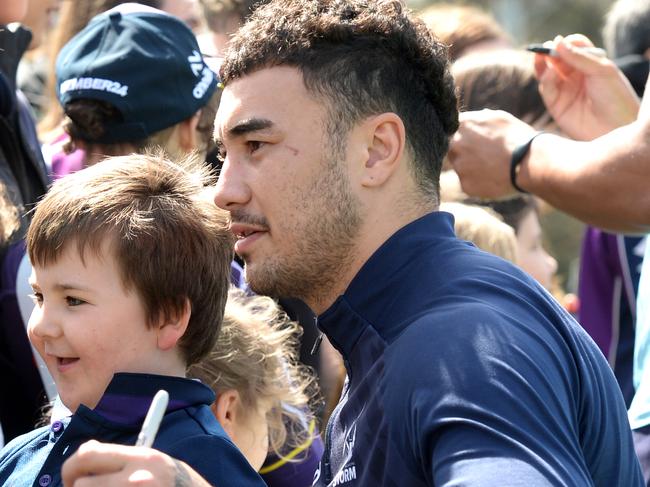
point(293, 150)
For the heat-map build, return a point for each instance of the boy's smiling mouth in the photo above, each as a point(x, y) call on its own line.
point(64, 363)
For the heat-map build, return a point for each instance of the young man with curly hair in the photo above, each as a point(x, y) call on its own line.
point(333, 123)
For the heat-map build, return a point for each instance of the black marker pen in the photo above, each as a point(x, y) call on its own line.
point(549, 51)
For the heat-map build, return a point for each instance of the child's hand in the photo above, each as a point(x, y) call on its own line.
point(103, 464)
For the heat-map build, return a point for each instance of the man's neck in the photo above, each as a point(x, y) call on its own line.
point(375, 231)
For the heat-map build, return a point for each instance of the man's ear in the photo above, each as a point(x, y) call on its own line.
point(172, 328)
point(386, 139)
point(226, 410)
point(188, 136)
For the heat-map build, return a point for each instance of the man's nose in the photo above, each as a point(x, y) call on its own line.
point(232, 189)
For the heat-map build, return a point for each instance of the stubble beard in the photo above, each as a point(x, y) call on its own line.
point(324, 246)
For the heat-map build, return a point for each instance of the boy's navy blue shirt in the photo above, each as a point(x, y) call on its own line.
point(463, 371)
point(188, 432)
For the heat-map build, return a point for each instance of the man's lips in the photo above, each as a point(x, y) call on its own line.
point(242, 230)
point(246, 236)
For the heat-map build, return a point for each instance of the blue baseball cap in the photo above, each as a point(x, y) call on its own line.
point(144, 62)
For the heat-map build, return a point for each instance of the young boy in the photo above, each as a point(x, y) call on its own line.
point(130, 280)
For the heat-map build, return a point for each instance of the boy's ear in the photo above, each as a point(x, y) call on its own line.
point(172, 328)
point(226, 409)
point(386, 139)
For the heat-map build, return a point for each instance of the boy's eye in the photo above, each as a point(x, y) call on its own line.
point(37, 298)
point(73, 301)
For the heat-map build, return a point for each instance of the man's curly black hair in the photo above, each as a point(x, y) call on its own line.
point(363, 57)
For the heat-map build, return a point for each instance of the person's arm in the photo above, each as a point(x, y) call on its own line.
point(499, 403)
point(604, 182)
point(102, 464)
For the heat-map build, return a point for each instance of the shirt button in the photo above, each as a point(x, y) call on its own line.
point(57, 426)
point(45, 480)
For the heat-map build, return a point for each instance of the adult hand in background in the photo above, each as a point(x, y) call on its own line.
point(103, 464)
point(587, 95)
point(481, 150)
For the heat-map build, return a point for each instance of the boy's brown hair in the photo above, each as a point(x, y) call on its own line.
point(170, 241)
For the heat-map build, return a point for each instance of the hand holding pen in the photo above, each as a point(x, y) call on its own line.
point(583, 90)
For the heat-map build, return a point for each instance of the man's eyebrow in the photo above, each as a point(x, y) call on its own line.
point(249, 125)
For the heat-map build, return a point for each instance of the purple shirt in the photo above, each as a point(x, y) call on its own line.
point(609, 277)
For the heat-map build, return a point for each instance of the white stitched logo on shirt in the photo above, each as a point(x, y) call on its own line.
point(350, 438)
point(345, 475)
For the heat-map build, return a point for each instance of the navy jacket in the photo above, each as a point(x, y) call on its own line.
point(188, 432)
point(463, 371)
